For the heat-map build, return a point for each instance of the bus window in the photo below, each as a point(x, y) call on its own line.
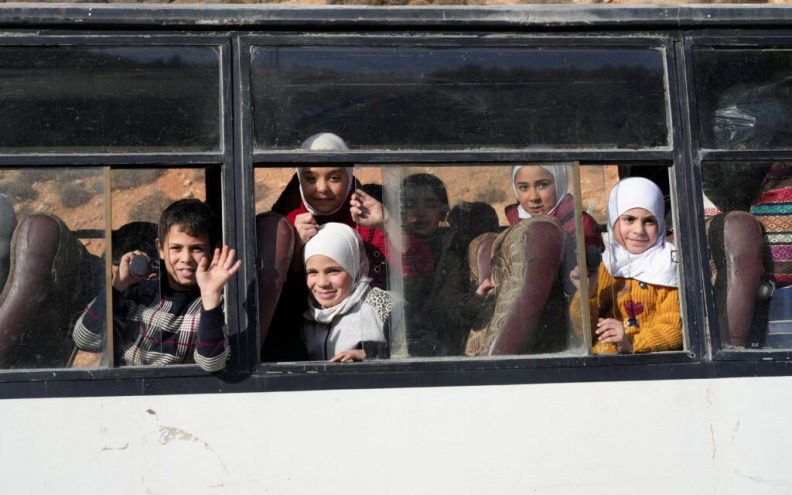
point(749, 247)
point(473, 260)
point(742, 97)
point(52, 224)
point(139, 196)
point(71, 99)
point(448, 97)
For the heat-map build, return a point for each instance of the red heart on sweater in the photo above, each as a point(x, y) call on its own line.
point(633, 309)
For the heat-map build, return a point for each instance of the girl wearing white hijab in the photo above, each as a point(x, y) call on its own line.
point(542, 190)
point(340, 179)
point(328, 195)
point(347, 319)
point(638, 272)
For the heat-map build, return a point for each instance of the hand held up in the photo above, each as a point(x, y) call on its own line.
point(212, 277)
point(367, 211)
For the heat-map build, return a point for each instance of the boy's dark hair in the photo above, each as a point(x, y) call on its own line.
point(193, 217)
point(414, 181)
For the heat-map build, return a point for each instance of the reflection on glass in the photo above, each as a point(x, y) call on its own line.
point(750, 246)
point(104, 98)
point(432, 98)
point(50, 266)
point(493, 289)
point(743, 97)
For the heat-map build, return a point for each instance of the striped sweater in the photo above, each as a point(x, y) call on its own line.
point(774, 212)
point(150, 329)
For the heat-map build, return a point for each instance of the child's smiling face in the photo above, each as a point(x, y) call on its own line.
point(327, 281)
point(636, 230)
point(182, 252)
point(536, 191)
point(324, 188)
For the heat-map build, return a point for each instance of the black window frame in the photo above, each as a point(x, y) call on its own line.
point(233, 28)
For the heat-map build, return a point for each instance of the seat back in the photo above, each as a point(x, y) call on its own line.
point(274, 248)
point(48, 287)
point(735, 242)
point(526, 262)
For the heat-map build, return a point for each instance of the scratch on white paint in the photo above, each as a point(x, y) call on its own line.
point(762, 480)
point(106, 447)
point(714, 448)
point(735, 431)
point(169, 434)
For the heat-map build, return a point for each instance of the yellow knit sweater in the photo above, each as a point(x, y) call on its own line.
point(650, 313)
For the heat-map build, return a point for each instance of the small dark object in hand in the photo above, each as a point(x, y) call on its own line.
point(139, 266)
point(593, 258)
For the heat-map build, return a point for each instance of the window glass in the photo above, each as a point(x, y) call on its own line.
point(460, 98)
point(749, 236)
point(52, 224)
point(743, 97)
point(74, 99)
point(466, 261)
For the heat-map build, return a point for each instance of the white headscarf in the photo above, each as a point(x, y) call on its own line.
point(325, 141)
point(560, 176)
point(342, 244)
point(656, 264)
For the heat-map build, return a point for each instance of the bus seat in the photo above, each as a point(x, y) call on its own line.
point(274, 248)
point(526, 262)
point(8, 223)
point(45, 293)
point(736, 248)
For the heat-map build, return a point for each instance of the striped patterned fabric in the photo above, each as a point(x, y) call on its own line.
point(774, 212)
point(156, 329)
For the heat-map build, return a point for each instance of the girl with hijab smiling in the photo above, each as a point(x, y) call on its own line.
point(634, 300)
point(347, 319)
point(329, 195)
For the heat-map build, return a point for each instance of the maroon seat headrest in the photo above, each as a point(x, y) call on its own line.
point(740, 269)
point(274, 248)
point(525, 266)
point(48, 286)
